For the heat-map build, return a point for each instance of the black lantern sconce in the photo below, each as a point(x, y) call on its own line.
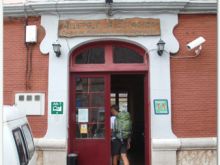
point(109, 5)
point(160, 47)
point(108, 1)
point(56, 48)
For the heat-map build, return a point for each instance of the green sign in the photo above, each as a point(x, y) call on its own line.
point(161, 106)
point(56, 107)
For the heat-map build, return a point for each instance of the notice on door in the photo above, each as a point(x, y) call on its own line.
point(83, 115)
point(83, 129)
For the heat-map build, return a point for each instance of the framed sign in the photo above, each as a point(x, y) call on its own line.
point(161, 106)
point(56, 108)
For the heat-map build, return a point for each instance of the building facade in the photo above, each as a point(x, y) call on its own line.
point(109, 54)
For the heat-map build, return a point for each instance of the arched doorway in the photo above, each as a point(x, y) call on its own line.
point(103, 73)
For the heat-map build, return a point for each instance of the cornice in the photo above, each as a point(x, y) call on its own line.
point(71, 7)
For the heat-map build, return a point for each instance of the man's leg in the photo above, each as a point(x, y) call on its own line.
point(125, 159)
point(124, 152)
point(115, 146)
point(115, 159)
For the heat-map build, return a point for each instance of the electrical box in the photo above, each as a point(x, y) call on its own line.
point(31, 34)
point(31, 103)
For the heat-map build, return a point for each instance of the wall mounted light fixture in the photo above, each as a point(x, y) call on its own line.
point(56, 48)
point(160, 47)
point(109, 6)
point(108, 1)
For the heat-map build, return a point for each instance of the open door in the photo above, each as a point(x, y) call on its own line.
point(90, 118)
point(91, 66)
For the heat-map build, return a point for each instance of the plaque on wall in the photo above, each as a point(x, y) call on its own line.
point(109, 27)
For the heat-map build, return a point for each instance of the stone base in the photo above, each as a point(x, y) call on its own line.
point(51, 151)
point(164, 151)
point(51, 158)
point(197, 157)
point(182, 151)
point(164, 158)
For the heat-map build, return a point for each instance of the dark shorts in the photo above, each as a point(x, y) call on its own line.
point(118, 147)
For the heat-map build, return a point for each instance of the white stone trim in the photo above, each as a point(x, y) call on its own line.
point(166, 144)
point(185, 144)
point(50, 144)
point(157, 144)
point(198, 143)
point(67, 7)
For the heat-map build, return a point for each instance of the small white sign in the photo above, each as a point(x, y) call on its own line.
point(83, 129)
point(83, 115)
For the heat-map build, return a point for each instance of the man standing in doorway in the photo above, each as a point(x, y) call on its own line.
point(121, 135)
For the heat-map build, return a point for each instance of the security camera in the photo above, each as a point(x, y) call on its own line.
point(195, 43)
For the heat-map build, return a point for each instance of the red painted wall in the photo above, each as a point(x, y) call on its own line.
point(15, 68)
point(193, 81)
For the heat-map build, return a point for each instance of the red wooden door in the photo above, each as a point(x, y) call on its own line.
point(89, 130)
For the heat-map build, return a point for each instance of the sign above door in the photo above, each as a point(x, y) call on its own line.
point(107, 27)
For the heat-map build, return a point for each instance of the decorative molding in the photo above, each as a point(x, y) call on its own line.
point(50, 144)
point(185, 144)
point(157, 144)
point(198, 143)
point(166, 144)
point(85, 7)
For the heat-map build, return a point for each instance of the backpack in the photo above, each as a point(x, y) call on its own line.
point(123, 125)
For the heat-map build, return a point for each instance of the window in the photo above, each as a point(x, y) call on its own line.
point(91, 56)
point(120, 99)
point(113, 98)
point(20, 146)
point(126, 55)
point(108, 56)
point(90, 107)
point(29, 140)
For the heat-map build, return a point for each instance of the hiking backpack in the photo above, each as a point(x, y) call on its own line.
point(123, 125)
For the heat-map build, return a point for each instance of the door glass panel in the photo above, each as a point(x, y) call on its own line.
point(126, 55)
point(97, 99)
point(90, 131)
point(90, 108)
point(82, 84)
point(91, 56)
point(97, 115)
point(96, 84)
point(82, 100)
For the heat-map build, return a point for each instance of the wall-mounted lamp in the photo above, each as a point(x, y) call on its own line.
point(56, 48)
point(109, 6)
point(108, 1)
point(160, 47)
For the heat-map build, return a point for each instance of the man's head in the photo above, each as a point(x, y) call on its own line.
point(114, 110)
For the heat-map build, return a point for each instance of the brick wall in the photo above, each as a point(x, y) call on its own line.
point(193, 81)
point(15, 68)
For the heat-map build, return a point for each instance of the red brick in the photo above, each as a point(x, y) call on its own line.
point(193, 81)
point(15, 67)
